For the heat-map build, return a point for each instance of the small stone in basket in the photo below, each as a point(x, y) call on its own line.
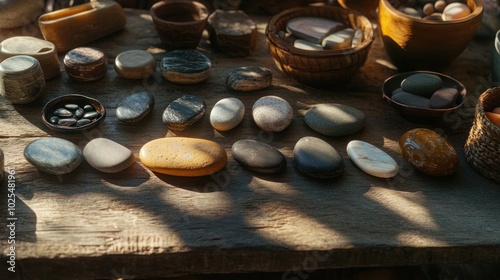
point(313, 29)
point(339, 40)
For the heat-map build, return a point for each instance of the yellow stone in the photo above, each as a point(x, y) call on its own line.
point(181, 156)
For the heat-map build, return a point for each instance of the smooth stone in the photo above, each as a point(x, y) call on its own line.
point(440, 5)
point(339, 40)
point(67, 122)
point(307, 46)
point(21, 79)
point(428, 9)
point(135, 64)
point(79, 113)
point(180, 156)
point(108, 156)
point(85, 64)
point(454, 11)
point(312, 29)
point(434, 17)
point(183, 112)
point(494, 118)
point(63, 112)
point(83, 121)
point(71, 107)
point(371, 159)
point(186, 66)
point(227, 113)
point(272, 113)
point(88, 108)
point(135, 107)
point(258, 156)
point(54, 120)
point(335, 119)
point(53, 155)
point(428, 152)
point(249, 78)
point(357, 38)
point(422, 84)
point(316, 158)
point(410, 11)
point(409, 99)
point(444, 98)
point(91, 115)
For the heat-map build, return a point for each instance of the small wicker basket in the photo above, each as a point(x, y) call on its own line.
point(482, 149)
point(319, 67)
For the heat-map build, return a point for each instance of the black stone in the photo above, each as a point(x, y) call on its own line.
point(67, 122)
point(135, 107)
point(71, 107)
point(410, 99)
point(79, 113)
point(258, 156)
point(83, 121)
point(184, 112)
point(88, 108)
point(91, 115)
point(316, 158)
point(54, 120)
point(63, 112)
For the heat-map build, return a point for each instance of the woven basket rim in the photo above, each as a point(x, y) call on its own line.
point(481, 110)
point(279, 43)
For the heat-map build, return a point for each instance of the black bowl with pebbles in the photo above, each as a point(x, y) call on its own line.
point(423, 96)
point(73, 113)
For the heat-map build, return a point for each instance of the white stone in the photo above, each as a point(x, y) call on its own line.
point(357, 38)
point(108, 156)
point(455, 11)
point(312, 29)
point(227, 114)
point(306, 45)
point(339, 40)
point(371, 159)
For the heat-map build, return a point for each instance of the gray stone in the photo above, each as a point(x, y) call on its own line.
point(54, 120)
point(227, 113)
point(67, 122)
point(335, 119)
point(71, 107)
point(249, 78)
point(108, 156)
point(409, 99)
point(444, 98)
point(88, 107)
point(272, 113)
point(185, 66)
point(91, 115)
point(258, 156)
point(316, 158)
point(79, 113)
point(135, 107)
point(422, 84)
point(63, 112)
point(53, 155)
point(83, 121)
point(312, 29)
point(183, 112)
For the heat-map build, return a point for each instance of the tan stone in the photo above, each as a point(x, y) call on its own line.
point(180, 156)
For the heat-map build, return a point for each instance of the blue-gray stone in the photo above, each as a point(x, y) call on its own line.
point(316, 158)
point(53, 155)
point(444, 98)
point(422, 84)
point(88, 107)
point(249, 78)
point(91, 115)
point(67, 122)
point(183, 112)
point(135, 107)
point(83, 121)
point(335, 119)
point(79, 113)
point(258, 156)
point(409, 99)
point(185, 66)
point(71, 107)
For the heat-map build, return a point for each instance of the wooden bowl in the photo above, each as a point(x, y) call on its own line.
point(324, 67)
point(81, 101)
point(417, 44)
point(422, 115)
point(366, 7)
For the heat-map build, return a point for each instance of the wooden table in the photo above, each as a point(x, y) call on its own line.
point(91, 225)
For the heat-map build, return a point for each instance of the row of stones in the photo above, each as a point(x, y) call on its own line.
point(436, 10)
point(426, 150)
point(74, 115)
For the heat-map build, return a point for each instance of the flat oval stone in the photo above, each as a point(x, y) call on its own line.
point(108, 156)
point(258, 156)
point(249, 78)
point(135, 64)
point(180, 156)
point(186, 66)
point(272, 113)
point(316, 158)
point(428, 152)
point(422, 84)
point(454, 11)
point(62, 112)
point(341, 39)
point(371, 159)
point(312, 29)
point(444, 98)
point(184, 112)
point(307, 46)
point(53, 155)
point(410, 99)
point(335, 119)
point(135, 107)
point(227, 113)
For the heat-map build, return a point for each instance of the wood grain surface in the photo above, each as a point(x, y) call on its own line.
point(92, 225)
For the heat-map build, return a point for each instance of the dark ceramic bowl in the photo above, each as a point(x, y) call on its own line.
point(80, 100)
point(417, 114)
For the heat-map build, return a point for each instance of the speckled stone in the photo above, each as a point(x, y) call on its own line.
point(272, 113)
point(249, 78)
point(312, 29)
point(53, 155)
point(428, 152)
point(186, 66)
point(227, 113)
point(258, 156)
point(409, 99)
point(180, 156)
point(316, 158)
point(183, 112)
point(335, 119)
point(444, 98)
point(422, 84)
point(135, 107)
point(371, 159)
point(108, 156)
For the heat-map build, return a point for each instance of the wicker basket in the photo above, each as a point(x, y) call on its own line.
point(319, 67)
point(482, 149)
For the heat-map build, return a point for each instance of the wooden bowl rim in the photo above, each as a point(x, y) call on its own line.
point(204, 14)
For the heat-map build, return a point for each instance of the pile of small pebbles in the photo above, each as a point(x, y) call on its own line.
point(436, 10)
point(74, 115)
